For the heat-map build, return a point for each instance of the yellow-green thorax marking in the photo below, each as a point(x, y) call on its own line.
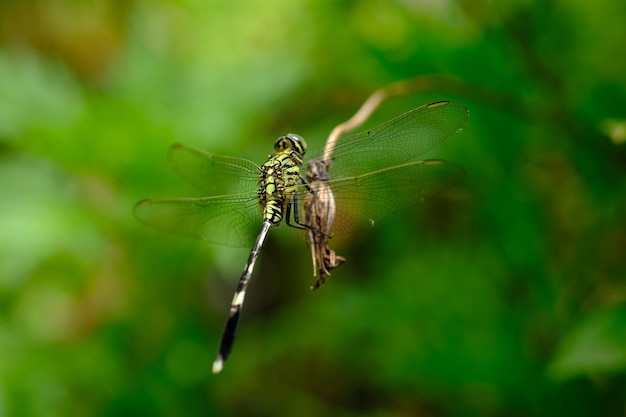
point(279, 177)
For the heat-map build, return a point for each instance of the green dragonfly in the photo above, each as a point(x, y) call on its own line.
point(373, 175)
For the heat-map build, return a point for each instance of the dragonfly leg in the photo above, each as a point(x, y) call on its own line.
point(292, 208)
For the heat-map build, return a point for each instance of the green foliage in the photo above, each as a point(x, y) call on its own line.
point(504, 296)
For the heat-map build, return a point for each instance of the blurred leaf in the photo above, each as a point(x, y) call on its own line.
point(615, 129)
point(594, 346)
point(35, 92)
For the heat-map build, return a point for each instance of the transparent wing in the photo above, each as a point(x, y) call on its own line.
point(372, 179)
point(396, 141)
point(365, 200)
point(232, 220)
point(214, 174)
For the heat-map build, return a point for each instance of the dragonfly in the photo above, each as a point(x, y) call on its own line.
point(368, 177)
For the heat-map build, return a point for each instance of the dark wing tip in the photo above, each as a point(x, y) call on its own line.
point(438, 104)
point(144, 202)
point(137, 210)
point(433, 162)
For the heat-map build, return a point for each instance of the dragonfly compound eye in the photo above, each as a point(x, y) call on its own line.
point(290, 142)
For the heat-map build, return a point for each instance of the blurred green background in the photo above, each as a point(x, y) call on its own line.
point(503, 297)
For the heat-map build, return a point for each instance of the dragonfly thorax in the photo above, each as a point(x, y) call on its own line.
point(280, 176)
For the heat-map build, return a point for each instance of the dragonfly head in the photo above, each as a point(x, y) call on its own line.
point(290, 143)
